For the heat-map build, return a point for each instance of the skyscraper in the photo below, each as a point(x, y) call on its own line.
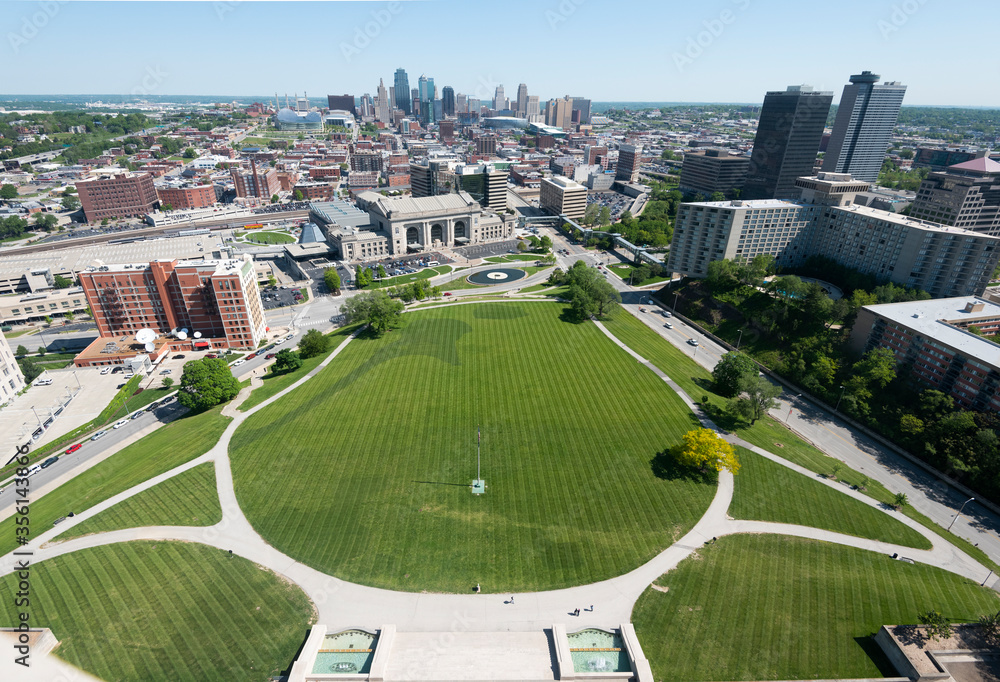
point(583, 106)
point(629, 159)
point(522, 100)
point(461, 104)
point(788, 136)
point(414, 100)
point(863, 128)
point(425, 87)
point(533, 112)
point(448, 101)
point(384, 111)
point(402, 84)
point(499, 100)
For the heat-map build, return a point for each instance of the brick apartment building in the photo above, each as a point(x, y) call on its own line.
point(312, 191)
point(933, 339)
point(187, 196)
point(317, 172)
point(125, 195)
point(262, 183)
point(218, 299)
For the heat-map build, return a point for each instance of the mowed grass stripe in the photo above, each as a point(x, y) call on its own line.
point(768, 491)
point(169, 446)
point(772, 607)
point(188, 499)
point(363, 471)
point(137, 611)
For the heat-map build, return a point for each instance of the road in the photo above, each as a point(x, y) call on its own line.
point(89, 451)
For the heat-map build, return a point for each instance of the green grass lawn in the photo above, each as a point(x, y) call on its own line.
point(140, 400)
point(426, 273)
point(696, 382)
point(535, 287)
point(377, 493)
point(188, 499)
point(624, 270)
point(270, 238)
point(514, 257)
point(767, 491)
point(170, 445)
point(766, 607)
point(166, 611)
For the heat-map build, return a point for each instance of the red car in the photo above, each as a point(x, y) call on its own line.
point(251, 356)
point(212, 355)
point(447, 293)
point(73, 448)
point(269, 356)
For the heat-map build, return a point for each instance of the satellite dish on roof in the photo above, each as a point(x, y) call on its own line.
point(150, 347)
point(197, 335)
point(181, 335)
point(145, 335)
point(184, 330)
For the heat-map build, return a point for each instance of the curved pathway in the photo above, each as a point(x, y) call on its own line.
point(343, 604)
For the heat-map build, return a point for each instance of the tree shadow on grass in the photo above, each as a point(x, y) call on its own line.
point(666, 467)
point(572, 316)
point(724, 419)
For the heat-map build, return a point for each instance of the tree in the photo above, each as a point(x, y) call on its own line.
point(313, 343)
point(362, 277)
point(589, 293)
point(46, 221)
point(376, 308)
point(70, 316)
point(705, 449)
point(206, 383)
point(30, 369)
point(287, 360)
point(190, 153)
point(70, 203)
point(274, 198)
point(521, 247)
point(380, 271)
point(936, 625)
point(21, 351)
point(167, 382)
point(41, 350)
point(8, 192)
point(722, 275)
point(756, 396)
point(731, 372)
point(990, 627)
point(545, 242)
point(332, 280)
point(297, 194)
point(62, 282)
point(900, 500)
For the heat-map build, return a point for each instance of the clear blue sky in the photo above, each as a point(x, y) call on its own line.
point(624, 50)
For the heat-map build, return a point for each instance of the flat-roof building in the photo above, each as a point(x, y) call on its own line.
point(187, 196)
point(262, 183)
point(934, 340)
point(216, 300)
point(562, 196)
point(124, 195)
point(629, 159)
point(713, 170)
point(11, 377)
point(966, 195)
point(941, 260)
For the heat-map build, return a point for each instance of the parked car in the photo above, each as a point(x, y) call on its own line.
point(166, 371)
point(178, 357)
point(73, 448)
point(43, 382)
point(49, 462)
point(251, 356)
point(238, 363)
point(137, 414)
point(106, 370)
point(99, 435)
point(269, 356)
point(120, 423)
point(212, 355)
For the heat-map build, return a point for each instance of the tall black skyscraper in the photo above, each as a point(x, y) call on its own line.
point(448, 101)
point(788, 135)
point(863, 128)
point(402, 87)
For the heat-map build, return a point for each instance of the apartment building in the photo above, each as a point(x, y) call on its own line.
point(123, 195)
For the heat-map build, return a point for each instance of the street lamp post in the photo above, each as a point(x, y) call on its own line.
point(837, 408)
point(959, 512)
point(739, 340)
point(36, 416)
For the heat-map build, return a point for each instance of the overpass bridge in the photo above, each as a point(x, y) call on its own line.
point(639, 254)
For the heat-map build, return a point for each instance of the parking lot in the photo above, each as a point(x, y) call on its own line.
point(279, 297)
point(484, 250)
point(615, 202)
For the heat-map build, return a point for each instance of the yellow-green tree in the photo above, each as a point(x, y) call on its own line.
point(706, 449)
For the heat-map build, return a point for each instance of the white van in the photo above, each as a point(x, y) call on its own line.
point(432, 263)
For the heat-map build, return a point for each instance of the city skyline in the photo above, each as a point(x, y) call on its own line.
point(696, 53)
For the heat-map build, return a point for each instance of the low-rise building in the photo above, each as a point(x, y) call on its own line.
point(935, 341)
point(713, 170)
point(188, 196)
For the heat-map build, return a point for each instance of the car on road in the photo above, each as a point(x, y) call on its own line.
point(166, 371)
point(238, 363)
point(251, 356)
point(642, 310)
point(106, 370)
point(667, 313)
point(73, 448)
point(269, 356)
point(668, 325)
point(49, 462)
point(34, 470)
point(120, 423)
point(99, 435)
point(137, 414)
point(692, 342)
point(447, 293)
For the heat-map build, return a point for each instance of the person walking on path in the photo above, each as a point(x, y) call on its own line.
point(511, 599)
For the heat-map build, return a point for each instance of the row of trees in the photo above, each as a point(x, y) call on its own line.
point(375, 307)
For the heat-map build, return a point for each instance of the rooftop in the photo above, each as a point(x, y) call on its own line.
point(981, 165)
point(931, 318)
point(389, 206)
